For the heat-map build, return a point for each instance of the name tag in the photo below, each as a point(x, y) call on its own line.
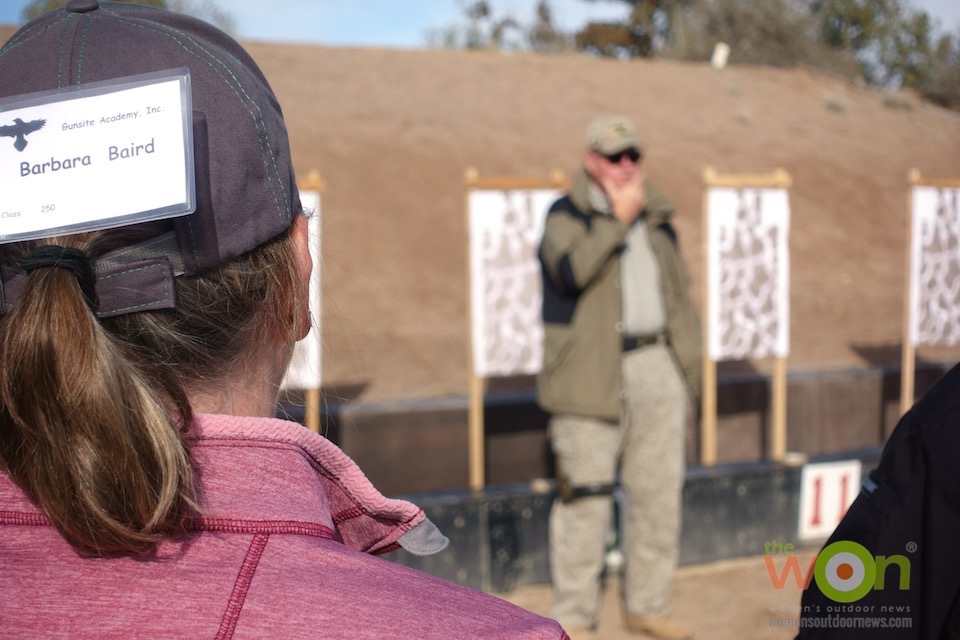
point(96, 156)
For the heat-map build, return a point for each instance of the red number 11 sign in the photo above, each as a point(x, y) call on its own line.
point(827, 490)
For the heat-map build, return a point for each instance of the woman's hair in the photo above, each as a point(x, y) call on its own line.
point(94, 412)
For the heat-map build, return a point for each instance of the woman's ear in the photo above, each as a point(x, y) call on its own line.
point(300, 233)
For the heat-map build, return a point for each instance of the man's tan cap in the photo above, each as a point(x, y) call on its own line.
point(612, 133)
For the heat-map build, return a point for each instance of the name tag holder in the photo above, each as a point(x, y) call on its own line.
point(96, 156)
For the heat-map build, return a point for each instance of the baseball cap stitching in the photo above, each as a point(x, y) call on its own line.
point(37, 31)
point(83, 48)
point(248, 103)
point(267, 157)
point(167, 295)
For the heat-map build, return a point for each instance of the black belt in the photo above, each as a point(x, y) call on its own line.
point(636, 342)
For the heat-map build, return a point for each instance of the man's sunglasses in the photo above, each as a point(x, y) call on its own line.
point(615, 158)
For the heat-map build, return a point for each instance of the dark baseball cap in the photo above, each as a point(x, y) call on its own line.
point(246, 191)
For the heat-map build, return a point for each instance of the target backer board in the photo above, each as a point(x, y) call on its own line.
point(504, 220)
point(934, 298)
point(305, 370)
point(749, 273)
point(931, 308)
point(506, 290)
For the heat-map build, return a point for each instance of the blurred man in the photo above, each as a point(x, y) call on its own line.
point(621, 362)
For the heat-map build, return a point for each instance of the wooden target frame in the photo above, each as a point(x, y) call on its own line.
point(912, 294)
point(305, 371)
point(474, 184)
point(778, 180)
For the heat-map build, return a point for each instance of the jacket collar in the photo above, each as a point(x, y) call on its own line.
point(262, 475)
point(277, 470)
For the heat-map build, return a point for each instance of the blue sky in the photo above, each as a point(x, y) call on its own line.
point(393, 23)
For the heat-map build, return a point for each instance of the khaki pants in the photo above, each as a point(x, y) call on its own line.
point(646, 448)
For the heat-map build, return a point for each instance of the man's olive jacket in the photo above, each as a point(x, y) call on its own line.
point(580, 259)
